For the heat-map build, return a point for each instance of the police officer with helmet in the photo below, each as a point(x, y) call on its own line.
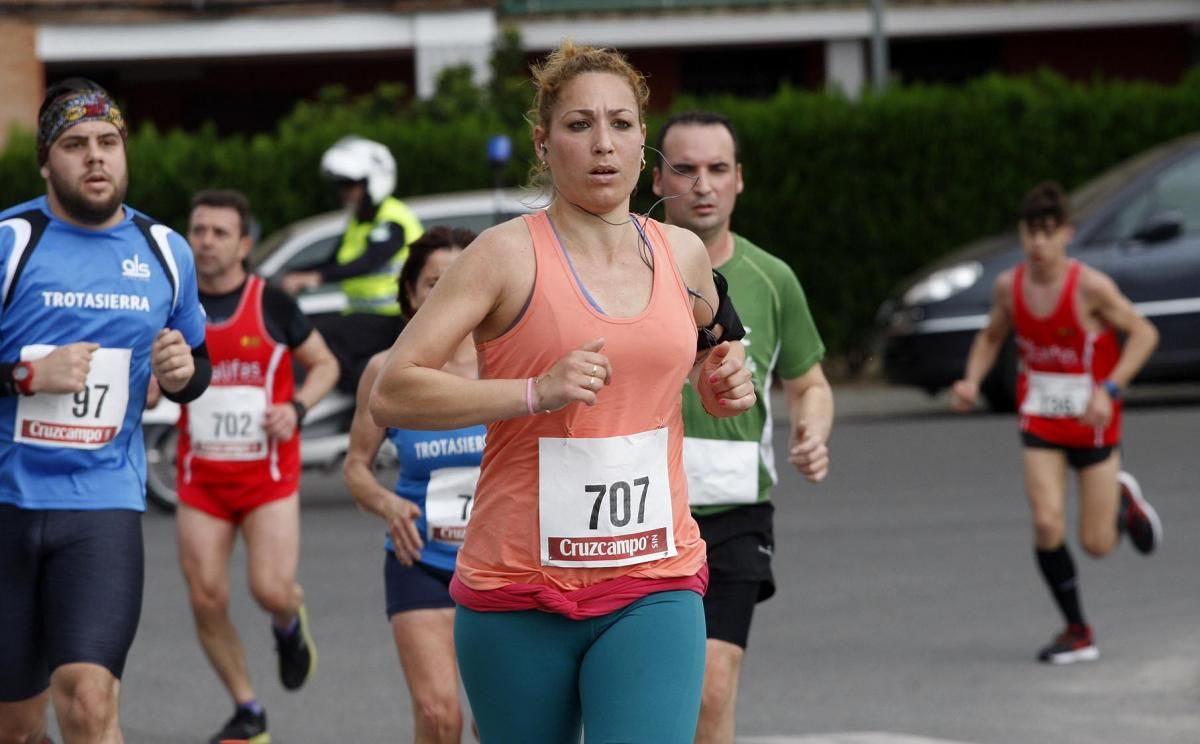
point(367, 262)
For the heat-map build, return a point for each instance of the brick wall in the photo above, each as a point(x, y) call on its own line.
point(22, 77)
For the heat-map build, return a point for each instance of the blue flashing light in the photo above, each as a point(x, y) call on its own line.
point(499, 149)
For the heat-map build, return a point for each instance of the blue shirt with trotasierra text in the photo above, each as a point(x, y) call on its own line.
point(438, 472)
point(61, 284)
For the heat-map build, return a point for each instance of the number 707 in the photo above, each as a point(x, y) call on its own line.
point(620, 502)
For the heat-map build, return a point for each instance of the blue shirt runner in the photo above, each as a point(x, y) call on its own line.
point(438, 473)
point(63, 284)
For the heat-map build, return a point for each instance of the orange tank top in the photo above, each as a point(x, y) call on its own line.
point(651, 354)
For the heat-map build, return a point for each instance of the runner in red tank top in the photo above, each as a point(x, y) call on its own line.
point(239, 456)
point(1059, 349)
point(1065, 317)
point(228, 464)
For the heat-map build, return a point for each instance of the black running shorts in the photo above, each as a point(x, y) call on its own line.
point(415, 587)
point(1077, 457)
point(70, 591)
point(741, 544)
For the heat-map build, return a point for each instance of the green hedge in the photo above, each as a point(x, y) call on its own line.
point(435, 150)
point(855, 195)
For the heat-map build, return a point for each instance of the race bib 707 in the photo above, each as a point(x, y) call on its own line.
point(604, 501)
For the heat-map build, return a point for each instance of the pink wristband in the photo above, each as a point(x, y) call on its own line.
point(529, 397)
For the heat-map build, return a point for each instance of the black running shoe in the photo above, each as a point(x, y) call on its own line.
point(1139, 520)
point(297, 654)
point(244, 726)
point(1072, 645)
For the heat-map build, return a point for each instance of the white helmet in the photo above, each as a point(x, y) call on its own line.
point(356, 159)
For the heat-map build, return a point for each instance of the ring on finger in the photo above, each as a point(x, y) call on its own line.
point(594, 370)
point(591, 382)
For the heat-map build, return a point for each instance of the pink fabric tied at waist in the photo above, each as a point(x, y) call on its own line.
point(591, 601)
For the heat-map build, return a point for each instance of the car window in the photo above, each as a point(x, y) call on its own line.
point(1096, 193)
point(312, 254)
point(477, 222)
point(1125, 222)
point(1177, 189)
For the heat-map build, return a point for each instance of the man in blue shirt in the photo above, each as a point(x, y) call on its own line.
point(95, 297)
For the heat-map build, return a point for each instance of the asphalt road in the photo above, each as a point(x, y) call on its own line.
point(909, 607)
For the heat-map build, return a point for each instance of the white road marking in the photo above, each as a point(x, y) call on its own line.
point(862, 737)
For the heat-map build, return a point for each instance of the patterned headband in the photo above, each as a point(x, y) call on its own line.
point(91, 105)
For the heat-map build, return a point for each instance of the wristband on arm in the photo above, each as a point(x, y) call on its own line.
point(301, 410)
point(199, 381)
point(8, 386)
point(725, 314)
point(1112, 388)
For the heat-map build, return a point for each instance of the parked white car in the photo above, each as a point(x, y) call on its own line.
point(313, 240)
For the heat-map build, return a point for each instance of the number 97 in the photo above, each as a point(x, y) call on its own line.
point(83, 401)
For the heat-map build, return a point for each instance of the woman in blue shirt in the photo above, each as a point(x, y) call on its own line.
point(426, 515)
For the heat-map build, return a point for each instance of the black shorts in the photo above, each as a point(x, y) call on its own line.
point(1077, 457)
point(70, 591)
point(741, 545)
point(415, 587)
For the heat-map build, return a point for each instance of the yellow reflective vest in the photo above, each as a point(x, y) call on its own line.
point(376, 292)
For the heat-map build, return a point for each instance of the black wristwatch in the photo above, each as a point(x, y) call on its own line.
point(301, 409)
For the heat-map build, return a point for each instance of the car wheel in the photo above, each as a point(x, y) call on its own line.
point(1000, 386)
point(162, 441)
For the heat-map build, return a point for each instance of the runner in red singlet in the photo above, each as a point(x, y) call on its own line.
point(1066, 316)
point(239, 457)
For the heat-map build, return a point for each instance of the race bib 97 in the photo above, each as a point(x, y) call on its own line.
point(87, 420)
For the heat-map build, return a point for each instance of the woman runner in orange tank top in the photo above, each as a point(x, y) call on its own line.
point(580, 578)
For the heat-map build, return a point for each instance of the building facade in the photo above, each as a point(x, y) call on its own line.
point(243, 64)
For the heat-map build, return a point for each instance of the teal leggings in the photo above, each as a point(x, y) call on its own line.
point(633, 675)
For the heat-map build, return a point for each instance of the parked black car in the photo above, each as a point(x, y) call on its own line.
point(1138, 222)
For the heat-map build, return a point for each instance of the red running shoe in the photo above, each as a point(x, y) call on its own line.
point(1072, 645)
point(1139, 520)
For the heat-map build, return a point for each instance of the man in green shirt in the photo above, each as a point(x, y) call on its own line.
point(731, 462)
